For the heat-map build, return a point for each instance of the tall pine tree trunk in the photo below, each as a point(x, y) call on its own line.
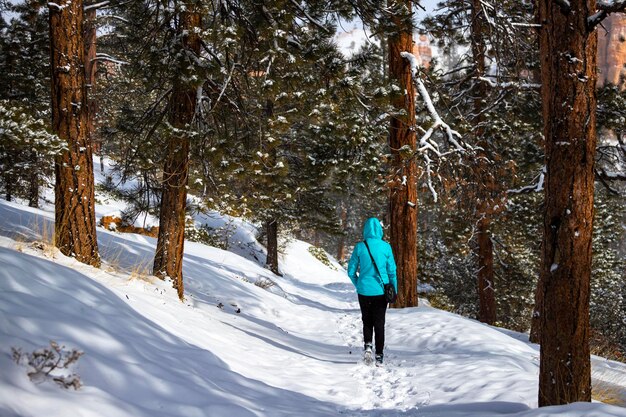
point(75, 222)
point(168, 259)
point(271, 228)
point(568, 74)
point(484, 245)
point(403, 186)
point(90, 74)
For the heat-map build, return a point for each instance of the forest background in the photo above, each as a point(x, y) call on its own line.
point(253, 108)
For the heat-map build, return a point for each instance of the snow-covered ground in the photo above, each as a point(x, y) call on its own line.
point(244, 342)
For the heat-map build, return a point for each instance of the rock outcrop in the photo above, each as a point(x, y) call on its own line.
point(422, 49)
point(612, 51)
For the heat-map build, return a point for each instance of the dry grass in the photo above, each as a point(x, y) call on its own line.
point(142, 272)
point(609, 387)
point(609, 392)
point(42, 240)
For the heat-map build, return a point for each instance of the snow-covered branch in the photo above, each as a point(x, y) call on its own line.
point(311, 19)
point(494, 83)
point(109, 58)
point(605, 8)
point(533, 188)
point(57, 6)
point(114, 17)
point(426, 143)
point(438, 122)
point(96, 5)
point(611, 176)
point(526, 25)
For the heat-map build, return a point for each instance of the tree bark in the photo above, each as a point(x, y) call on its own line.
point(75, 222)
point(271, 228)
point(403, 184)
point(484, 245)
point(90, 75)
point(568, 73)
point(168, 259)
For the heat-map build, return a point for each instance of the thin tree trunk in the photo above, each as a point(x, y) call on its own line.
point(403, 186)
point(271, 228)
point(33, 181)
point(568, 73)
point(9, 181)
point(535, 321)
point(486, 293)
point(168, 259)
point(75, 222)
point(484, 245)
point(341, 246)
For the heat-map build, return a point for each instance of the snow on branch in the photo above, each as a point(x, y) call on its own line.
point(109, 58)
point(494, 83)
point(605, 8)
point(308, 16)
point(533, 188)
point(58, 7)
point(438, 122)
point(611, 176)
point(426, 143)
point(96, 5)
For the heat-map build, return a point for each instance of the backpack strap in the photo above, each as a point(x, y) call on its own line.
point(380, 279)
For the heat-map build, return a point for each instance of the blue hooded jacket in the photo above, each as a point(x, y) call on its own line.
point(367, 282)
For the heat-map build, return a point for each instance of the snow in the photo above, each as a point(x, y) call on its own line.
point(292, 349)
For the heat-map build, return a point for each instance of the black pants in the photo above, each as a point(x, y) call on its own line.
point(373, 309)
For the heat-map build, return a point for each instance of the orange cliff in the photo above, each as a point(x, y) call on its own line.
point(612, 51)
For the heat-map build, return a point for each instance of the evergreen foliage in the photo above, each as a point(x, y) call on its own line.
point(27, 148)
point(287, 128)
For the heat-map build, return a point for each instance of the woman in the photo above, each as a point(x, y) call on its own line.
point(370, 284)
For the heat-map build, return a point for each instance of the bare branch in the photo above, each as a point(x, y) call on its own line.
point(533, 188)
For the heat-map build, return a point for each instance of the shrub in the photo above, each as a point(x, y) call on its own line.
point(50, 363)
point(321, 255)
point(217, 237)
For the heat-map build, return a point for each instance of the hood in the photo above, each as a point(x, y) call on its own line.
point(372, 229)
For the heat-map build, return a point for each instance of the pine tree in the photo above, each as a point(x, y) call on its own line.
point(570, 133)
point(25, 52)
point(75, 224)
point(168, 260)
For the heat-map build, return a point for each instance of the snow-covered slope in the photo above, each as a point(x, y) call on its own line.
point(245, 342)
